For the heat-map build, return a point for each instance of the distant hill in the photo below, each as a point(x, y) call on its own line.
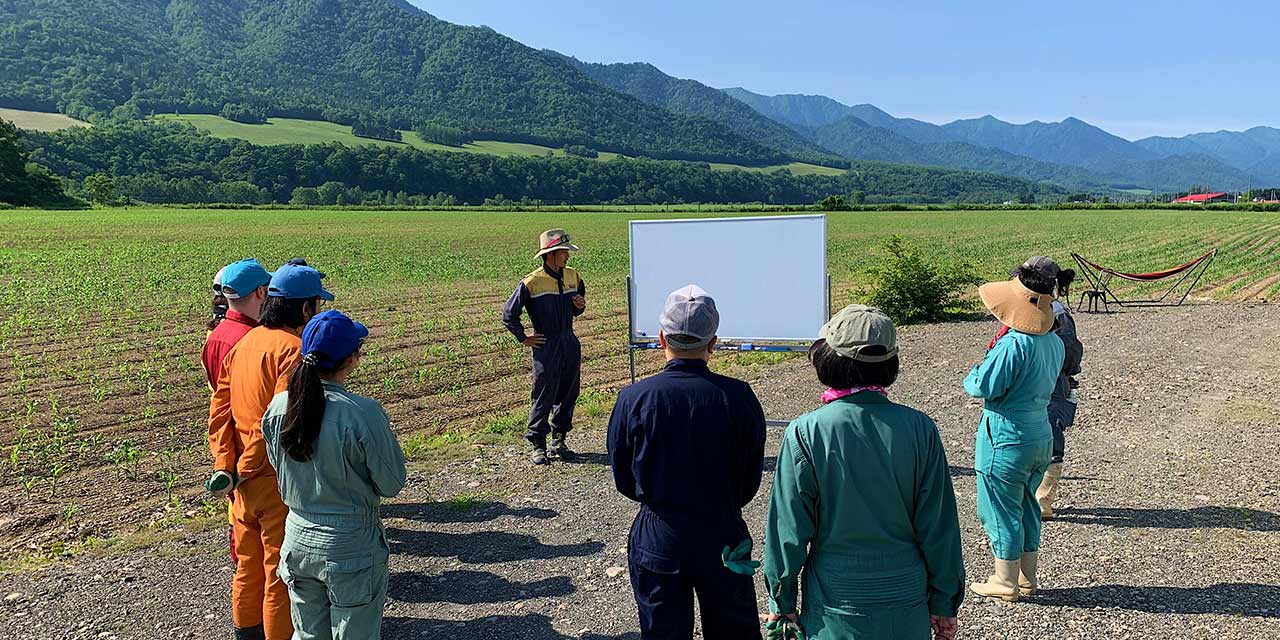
point(855, 138)
point(1255, 150)
point(690, 97)
point(1071, 152)
point(334, 60)
point(794, 110)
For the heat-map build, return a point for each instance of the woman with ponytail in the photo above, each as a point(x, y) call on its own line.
point(335, 458)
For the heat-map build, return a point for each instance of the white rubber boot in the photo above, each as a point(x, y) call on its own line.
point(1003, 584)
point(1047, 493)
point(1027, 582)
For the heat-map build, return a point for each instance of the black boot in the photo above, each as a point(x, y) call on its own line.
point(538, 455)
point(559, 449)
point(251, 633)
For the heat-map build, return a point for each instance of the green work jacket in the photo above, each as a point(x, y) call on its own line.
point(862, 502)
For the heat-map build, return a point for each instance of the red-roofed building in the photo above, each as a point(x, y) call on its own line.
point(1204, 198)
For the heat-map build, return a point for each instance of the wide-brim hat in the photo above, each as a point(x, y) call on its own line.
point(554, 240)
point(1018, 307)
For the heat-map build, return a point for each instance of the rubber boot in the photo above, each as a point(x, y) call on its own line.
point(559, 449)
point(1048, 490)
point(251, 633)
point(1003, 584)
point(1027, 582)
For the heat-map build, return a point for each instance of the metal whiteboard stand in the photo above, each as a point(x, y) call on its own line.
point(740, 345)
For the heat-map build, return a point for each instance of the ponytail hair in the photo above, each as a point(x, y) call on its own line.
point(305, 409)
point(1065, 278)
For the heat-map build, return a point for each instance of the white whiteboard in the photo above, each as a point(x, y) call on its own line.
point(768, 275)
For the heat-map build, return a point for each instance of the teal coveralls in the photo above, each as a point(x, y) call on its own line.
point(334, 556)
point(1014, 441)
point(863, 511)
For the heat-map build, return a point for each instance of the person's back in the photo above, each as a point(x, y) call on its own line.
point(1016, 380)
point(355, 461)
point(335, 458)
point(870, 460)
point(693, 447)
point(688, 445)
point(257, 368)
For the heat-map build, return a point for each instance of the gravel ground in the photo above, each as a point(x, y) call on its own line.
point(1170, 511)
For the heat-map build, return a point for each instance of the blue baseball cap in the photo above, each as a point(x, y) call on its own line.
point(297, 282)
point(241, 278)
point(331, 337)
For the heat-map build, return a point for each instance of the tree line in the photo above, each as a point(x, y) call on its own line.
point(161, 162)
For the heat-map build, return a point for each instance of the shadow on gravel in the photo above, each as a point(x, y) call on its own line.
point(472, 587)
point(1232, 599)
point(960, 472)
point(483, 547)
point(1197, 518)
point(526, 627)
point(442, 512)
point(590, 457)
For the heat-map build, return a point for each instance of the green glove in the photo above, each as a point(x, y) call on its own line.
point(738, 560)
point(783, 629)
point(221, 483)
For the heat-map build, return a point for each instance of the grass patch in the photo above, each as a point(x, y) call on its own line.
point(463, 503)
point(40, 121)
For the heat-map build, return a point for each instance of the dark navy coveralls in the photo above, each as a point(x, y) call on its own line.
point(688, 445)
point(548, 298)
point(1062, 411)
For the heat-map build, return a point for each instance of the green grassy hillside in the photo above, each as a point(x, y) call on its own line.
point(40, 121)
point(294, 131)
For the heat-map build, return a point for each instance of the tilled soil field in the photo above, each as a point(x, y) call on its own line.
point(1169, 518)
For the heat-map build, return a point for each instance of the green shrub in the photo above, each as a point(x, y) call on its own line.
point(911, 289)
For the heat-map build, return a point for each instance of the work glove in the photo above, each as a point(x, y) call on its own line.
point(738, 560)
point(221, 483)
point(783, 629)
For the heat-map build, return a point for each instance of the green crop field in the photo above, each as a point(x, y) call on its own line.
point(40, 121)
point(293, 131)
point(102, 398)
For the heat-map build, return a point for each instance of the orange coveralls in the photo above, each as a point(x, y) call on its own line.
point(255, 369)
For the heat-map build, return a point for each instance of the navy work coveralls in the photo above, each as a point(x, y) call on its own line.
point(1062, 411)
point(688, 445)
point(548, 298)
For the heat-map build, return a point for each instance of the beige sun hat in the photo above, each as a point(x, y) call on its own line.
point(1018, 307)
point(553, 240)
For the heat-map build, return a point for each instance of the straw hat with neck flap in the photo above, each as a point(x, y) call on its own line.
point(1018, 307)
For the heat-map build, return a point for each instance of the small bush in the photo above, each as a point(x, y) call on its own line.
point(911, 289)
point(833, 203)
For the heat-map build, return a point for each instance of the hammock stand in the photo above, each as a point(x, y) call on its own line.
point(1100, 278)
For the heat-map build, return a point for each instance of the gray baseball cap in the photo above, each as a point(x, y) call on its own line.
point(857, 327)
point(1042, 264)
point(689, 313)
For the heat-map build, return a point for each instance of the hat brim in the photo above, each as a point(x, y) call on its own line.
point(562, 247)
point(325, 294)
point(1018, 307)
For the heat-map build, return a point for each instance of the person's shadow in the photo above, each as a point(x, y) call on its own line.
point(443, 512)
point(1231, 599)
point(526, 627)
point(483, 547)
point(472, 587)
point(1197, 518)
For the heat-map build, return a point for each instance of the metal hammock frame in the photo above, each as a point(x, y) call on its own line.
point(1100, 277)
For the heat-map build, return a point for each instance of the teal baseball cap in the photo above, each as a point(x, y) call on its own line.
point(297, 282)
point(242, 278)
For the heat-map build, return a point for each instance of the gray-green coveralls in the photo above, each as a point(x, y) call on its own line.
point(862, 502)
point(334, 556)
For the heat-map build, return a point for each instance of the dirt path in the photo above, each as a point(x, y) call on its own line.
point(1170, 524)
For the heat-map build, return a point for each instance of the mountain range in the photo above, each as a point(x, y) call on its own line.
point(390, 63)
point(1071, 152)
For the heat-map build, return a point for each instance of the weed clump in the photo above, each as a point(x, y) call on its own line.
point(911, 289)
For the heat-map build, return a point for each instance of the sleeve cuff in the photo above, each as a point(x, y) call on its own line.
point(944, 606)
point(782, 603)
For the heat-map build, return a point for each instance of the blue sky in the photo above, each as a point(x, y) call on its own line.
point(1133, 67)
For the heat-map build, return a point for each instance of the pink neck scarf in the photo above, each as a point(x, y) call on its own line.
point(831, 395)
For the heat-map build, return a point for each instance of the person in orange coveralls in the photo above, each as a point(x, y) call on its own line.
point(256, 369)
